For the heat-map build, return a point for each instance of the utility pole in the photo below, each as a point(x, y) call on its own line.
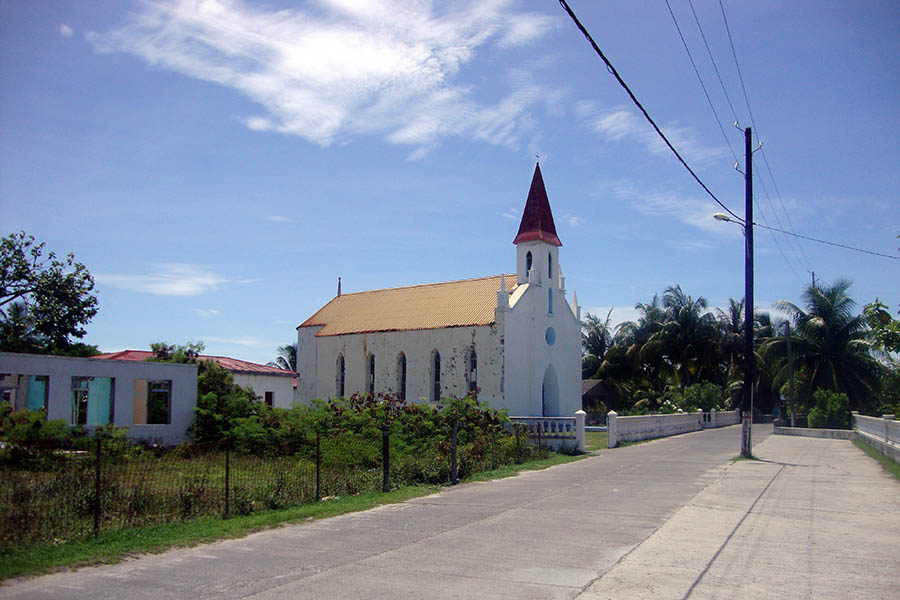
point(790, 368)
point(749, 358)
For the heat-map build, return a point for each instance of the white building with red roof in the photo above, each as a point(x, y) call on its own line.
point(273, 385)
point(513, 337)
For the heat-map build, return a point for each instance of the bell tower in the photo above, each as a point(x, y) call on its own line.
point(537, 245)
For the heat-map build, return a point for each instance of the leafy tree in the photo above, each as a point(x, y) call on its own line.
point(176, 353)
point(885, 329)
point(222, 405)
point(831, 410)
point(44, 302)
point(286, 359)
point(830, 344)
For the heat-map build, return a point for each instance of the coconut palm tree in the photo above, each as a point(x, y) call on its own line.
point(287, 358)
point(831, 345)
point(689, 337)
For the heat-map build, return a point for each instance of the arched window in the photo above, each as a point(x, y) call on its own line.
point(528, 260)
point(339, 376)
point(549, 266)
point(436, 376)
point(401, 376)
point(550, 301)
point(472, 371)
point(370, 374)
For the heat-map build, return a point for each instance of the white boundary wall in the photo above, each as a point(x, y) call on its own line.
point(883, 433)
point(649, 427)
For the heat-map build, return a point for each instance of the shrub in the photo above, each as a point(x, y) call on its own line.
point(831, 410)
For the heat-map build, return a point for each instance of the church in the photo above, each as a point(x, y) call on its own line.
point(513, 338)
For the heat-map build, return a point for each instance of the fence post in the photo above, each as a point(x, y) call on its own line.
point(611, 429)
point(887, 433)
point(579, 429)
point(518, 452)
point(98, 452)
point(385, 458)
point(493, 441)
point(712, 418)
point(227, 481)
point(318, 469)
point(454, 467)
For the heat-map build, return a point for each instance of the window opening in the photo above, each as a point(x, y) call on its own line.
point(92, 400)
point(339, 383)
point(550, 265)
point(528, 261)
point(550, 301)
point(436, 377)
point(37, 392)
point(270, 398)
point(472, 371)
point(401, 376)
point(370, 375)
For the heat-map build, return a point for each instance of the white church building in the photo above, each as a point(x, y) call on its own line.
point(514, 337)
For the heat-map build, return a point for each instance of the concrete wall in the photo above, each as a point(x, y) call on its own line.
point(282, 386)
point(840, 434)
point(883, 433)
point(317, 362)
point(648, 427)
point(61, 369)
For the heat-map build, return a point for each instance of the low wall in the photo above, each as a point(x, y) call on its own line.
point(649, 427)
point(557, 431)
point(840, 434)
point(883, 433)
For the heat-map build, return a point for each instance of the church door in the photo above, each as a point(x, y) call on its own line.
point(550, 394)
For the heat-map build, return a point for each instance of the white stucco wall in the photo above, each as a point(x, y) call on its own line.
point(318, 356)
point(282, 386)
point(61, 369)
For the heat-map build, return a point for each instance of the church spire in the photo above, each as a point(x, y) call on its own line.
point(537, 219)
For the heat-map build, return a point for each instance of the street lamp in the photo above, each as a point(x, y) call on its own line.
point(749, 359)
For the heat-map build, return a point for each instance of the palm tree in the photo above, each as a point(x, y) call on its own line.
point(830, 344)
point(287, 358)
point(596, 335)
point(689, 337)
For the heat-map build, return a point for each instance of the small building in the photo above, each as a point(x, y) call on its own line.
point(513, 337)
point(154, 400)
point(274, 385)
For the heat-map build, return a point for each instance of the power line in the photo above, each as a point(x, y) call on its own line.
point(713, 61)
point(753, 123)
point(812, 239)
point(614, 73)
point(700, 79)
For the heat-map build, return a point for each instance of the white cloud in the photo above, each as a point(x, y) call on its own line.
point(65, 30)
point(338, 68)
point(624, 125)
point(168, 279)
point(243, 341)
point(513, 214)
point(206, 313)
point(696, 212)
point(573, 221)
point(279, 219)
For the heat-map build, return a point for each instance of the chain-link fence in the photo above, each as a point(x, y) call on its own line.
point(100, 484)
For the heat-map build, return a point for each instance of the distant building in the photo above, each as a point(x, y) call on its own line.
point(513, 337)
point(273, 385)
point(154, 400)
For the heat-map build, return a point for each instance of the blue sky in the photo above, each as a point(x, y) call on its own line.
point(218, 164)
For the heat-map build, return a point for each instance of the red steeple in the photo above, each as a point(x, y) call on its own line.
point(537, 220)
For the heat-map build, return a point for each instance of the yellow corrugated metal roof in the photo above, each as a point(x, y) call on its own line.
point(430, 306)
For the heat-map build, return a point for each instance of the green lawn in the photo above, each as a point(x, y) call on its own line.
point(594, 440)
point(113, 546)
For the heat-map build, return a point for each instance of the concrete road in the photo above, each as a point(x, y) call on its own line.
point(672, 518)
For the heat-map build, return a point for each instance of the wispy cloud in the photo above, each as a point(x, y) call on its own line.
point(65, 30)
point(242, 341)
point(279, 219)
point(573, 220)
point(206, 313)
point(513, 214)
point(622, 125)
point(693, 211)
point(168, 279)
point(335, 69)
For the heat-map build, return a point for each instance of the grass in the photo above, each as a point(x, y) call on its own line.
point(594, 440)
point(114, 546)
point(887, 463)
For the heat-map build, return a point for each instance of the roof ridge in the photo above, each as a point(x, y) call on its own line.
point(422, 285)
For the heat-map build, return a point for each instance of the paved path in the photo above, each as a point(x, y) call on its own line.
point(673, 518)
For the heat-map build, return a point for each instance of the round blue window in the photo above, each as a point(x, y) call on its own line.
point(550, 336)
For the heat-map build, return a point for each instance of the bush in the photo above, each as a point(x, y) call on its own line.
point(831, 410)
